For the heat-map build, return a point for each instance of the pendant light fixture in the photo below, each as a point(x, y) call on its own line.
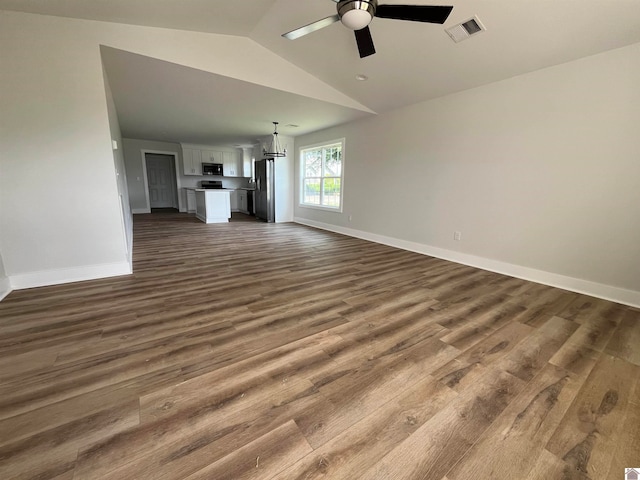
point(274, 150)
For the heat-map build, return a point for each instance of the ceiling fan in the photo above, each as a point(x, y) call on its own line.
point(357, 14)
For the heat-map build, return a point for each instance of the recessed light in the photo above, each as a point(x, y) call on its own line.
point(361, 77)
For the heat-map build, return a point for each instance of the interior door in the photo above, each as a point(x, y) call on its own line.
point(161, 178)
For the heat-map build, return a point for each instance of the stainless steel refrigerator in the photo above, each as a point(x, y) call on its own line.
point(265, 190)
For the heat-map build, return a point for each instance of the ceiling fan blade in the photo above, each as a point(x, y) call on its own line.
point(365, 42)
point(312, 27)
point(414, 13)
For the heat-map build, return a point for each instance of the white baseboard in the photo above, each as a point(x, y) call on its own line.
point(5, 287)
point(135, 211)
point(599, 290)
point(68, 275)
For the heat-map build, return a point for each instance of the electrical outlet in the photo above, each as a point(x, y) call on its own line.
point(457, 236)
point(350, 217)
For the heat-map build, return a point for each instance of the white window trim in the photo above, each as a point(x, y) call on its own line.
point(302, 177)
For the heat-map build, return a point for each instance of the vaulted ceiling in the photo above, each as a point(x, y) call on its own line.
point(414, 61)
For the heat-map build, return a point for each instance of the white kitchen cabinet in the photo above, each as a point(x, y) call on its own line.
point(230, 164)
point(192, 159)
point(191, 200)
point(246, 161)
point(242, 201)
point(195, 155)
point(212, 206)
point(212, 156)
point(233, 199)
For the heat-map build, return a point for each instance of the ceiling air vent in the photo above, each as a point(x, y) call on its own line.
point(464, 30)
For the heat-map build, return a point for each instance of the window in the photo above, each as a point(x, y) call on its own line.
point(321, 168)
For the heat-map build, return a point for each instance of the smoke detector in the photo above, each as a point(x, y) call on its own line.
point(464, 30)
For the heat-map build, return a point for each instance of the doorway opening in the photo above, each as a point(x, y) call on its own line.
point(161, 182)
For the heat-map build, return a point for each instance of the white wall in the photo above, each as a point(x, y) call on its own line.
point(5, 284)
point(283, 190)
point(59, 199)
point(120, 171)
point(59, 203)
point(540, 173)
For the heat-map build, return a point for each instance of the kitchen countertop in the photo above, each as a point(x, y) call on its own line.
point(214, 189)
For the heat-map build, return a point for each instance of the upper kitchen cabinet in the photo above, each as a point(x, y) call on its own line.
point(231, 165)
point(212, 156)
point(192, 159)
point(246, 162)
point(232, 161)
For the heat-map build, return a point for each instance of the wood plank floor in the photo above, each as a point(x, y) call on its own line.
point(257, 351)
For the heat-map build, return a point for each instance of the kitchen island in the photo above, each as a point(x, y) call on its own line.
point(213, 206)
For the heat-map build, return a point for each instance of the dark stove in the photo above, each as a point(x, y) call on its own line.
point(208, 184)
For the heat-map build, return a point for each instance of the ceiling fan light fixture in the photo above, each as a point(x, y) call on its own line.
point(356, 19)
point(356, 14)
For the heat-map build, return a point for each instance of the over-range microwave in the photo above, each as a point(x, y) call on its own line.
point(212, 169)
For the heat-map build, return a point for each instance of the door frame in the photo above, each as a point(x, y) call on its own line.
point(145, 179)
point(164, 164)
